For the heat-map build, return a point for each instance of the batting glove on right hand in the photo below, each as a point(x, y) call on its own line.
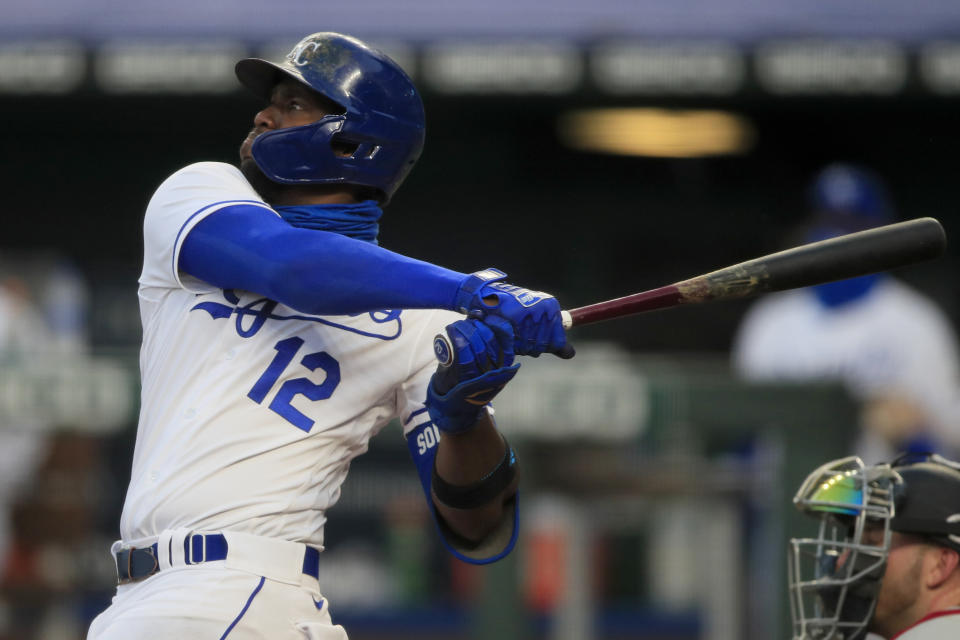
point(476, 362)
point(533, 315)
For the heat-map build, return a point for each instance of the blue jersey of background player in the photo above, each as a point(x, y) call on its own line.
point(278, 338)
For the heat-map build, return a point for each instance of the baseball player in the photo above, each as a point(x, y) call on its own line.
point(886, 558)
point(279, 338)
point(892, 347)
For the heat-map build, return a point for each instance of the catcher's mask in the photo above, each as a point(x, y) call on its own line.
point(835, 577)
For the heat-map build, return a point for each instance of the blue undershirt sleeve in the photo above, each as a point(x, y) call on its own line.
point(318, 272)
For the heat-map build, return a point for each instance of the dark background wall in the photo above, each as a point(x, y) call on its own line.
point(495, 187)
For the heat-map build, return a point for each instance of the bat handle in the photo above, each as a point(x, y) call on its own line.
point(566, 319)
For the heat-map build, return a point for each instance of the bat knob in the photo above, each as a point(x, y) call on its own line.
point(566, 319)
point(443, 350)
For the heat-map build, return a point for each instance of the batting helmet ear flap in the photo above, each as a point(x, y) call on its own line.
point(382, 116)
point(295, 154)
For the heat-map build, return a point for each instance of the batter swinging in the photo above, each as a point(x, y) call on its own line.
point(279, 338)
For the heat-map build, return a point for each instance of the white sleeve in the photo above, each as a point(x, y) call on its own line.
point(754, 353)
point(930, 366)
point(183, 200)
point(413, 391)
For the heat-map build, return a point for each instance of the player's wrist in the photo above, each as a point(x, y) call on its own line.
point(470, 292)
point(459, 409)
point(448, 415)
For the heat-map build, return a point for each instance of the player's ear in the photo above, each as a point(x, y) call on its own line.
point(942, 564)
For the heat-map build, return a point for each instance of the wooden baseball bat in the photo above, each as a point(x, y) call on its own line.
point(848, 256)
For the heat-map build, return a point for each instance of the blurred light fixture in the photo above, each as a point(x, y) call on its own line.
point(134, 66)
point(520, 68)
point(940, 66)
point(842, 67)
point(668, 67)
point(656, 132)
point(41, 66)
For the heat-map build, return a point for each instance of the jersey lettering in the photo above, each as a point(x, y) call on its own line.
point(427, 439)
point(252, 316)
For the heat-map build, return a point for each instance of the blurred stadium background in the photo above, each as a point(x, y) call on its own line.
point(592, 149)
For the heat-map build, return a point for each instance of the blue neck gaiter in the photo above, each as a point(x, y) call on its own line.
point(837, 294)
point(358, 221)
point(842, 292)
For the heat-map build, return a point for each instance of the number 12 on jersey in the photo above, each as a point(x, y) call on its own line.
point(286, 351)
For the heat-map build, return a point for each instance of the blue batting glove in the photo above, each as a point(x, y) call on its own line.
point(476, 362)
point(533, 315)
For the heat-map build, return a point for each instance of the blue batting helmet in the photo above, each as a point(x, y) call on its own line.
point(849, 198)
point(382, 116)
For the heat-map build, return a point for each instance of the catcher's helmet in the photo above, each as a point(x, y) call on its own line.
point(928, 500)
point(835, 577)
point(382, 115)
point(849, 198)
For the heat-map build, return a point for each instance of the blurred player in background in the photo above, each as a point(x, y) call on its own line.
point(279, 338)
point(892, 347)
point(23, 335)
point(43, 311)
point(886, 556)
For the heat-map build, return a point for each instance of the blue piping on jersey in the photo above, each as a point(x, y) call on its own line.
point(414, 415)
point(176, 242)
point(244, 610)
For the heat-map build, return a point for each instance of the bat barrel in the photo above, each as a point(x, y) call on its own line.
point(856, 254)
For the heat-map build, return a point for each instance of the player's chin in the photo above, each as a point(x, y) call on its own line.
point(261, 183)
point(246, 152)
point(248, 166)
point(250, 171)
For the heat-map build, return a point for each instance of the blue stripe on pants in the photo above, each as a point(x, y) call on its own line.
point(244, 610)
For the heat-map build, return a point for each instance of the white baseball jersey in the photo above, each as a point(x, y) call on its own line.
point(893, 338)
point(941, 625)
point(252, 411)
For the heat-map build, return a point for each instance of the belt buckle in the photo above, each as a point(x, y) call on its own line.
point(189, 557)
point(130, 577)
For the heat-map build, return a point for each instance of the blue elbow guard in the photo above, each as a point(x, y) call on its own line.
point(422, 443)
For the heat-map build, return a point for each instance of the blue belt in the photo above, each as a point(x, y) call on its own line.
point(136, 564)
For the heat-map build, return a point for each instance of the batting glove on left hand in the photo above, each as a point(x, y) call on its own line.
point(476, 362)
point(533, 315)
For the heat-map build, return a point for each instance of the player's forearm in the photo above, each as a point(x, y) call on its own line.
point(467, 460)
point(347, 276)
point(317, 272)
